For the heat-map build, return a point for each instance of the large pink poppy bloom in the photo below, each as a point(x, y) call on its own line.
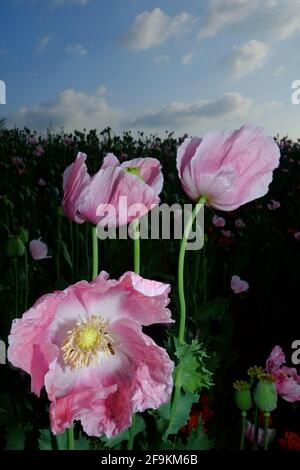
point(87, 198)
point(229, 168)
point(287, 380)
point(86, 346)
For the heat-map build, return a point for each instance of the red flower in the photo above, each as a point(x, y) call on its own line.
point(291, 441)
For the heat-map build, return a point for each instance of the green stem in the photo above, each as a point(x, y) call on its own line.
point(255, 446)
point(72, 247)
point(243, 429)
point(58, 248)
point(26, 279)
point(95, 252)
point(70, 438)
point(266, 429)
point(184, 242)
point(137, 267)
point(15, 261)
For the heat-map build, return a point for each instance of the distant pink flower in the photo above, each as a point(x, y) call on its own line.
point(239, 223)
point(39, 151)
point(87, 347)
point(17, 161)
point(297, 236)
point(38, 249)
point(238, 286)
point(97, 199)
point(228, 168)
point(226, 233)
point(250, 434)
point(218, 221)
point(273, 205)
point(67, 140)
point(42, 182)
point(286, 378)
point(32, 140)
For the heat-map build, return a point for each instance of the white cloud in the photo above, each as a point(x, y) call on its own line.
point(71, 109)
point(177, 114)
point(223, 13)
point(161, 59)
point(279, 71)
point(247, 58)
point(75, 49)
point(66, 2)
point(279, 19)
point(152, 28)
point(188, 58)
point(43, 44)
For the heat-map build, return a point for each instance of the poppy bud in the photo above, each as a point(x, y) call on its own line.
point(14, 247)
point(23, 234)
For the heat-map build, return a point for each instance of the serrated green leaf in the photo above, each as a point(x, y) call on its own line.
point(124, 436)
point(180, 413)
point(48, 441)
point(191, 370)
point(197, 440)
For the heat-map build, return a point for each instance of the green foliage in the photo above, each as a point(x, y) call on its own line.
point(15, 438)
point(48, 441)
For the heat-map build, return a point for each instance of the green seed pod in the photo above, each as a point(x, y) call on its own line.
point(242, 395)
point(23, 234)
point(265, 395)
point(14, 247)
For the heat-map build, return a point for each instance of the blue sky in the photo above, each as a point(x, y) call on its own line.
point(186, 66)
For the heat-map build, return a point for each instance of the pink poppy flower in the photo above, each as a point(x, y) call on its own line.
point(38, 249)
point(250, 434)
point(239, 223)
point(86, 346)
point(297, 236)
point(17, 161)
point(226, 233)
point(42, 182)
point(287, 380)
point(97, 199)
point(39, 151)
point(218, 221)
point(67, 140)
point(228, 168)
point(238, 286)
point(273, 205)
point(32, 140)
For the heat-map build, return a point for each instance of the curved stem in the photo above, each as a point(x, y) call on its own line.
point(266, 430)
point(183, 245)
point(137, 267)
point(256, 412)
point(243, 429)
point(26, 278)
point(95, 252)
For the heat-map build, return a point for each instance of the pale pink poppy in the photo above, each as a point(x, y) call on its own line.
point(239, 223)
point(287, 380)
point(218, 221)
point(67, 140)
point(98, 198)
point(297, 236)
point(86, 346)
point(42, 182)
point(238, 286)
point(32, 140)
point(17, 161)
point(228, 168)
point(250, 434)
point(39, 151)
point(38, 249)
point(273, 205)
point(226, 233)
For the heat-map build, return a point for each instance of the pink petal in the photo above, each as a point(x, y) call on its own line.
point(38, 249)
point(75, 179)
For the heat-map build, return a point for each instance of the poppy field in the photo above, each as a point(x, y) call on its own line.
point(141, 343)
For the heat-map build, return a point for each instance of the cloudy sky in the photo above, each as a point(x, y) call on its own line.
point(188, 66)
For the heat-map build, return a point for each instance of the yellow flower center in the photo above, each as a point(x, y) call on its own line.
point(82, 345)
